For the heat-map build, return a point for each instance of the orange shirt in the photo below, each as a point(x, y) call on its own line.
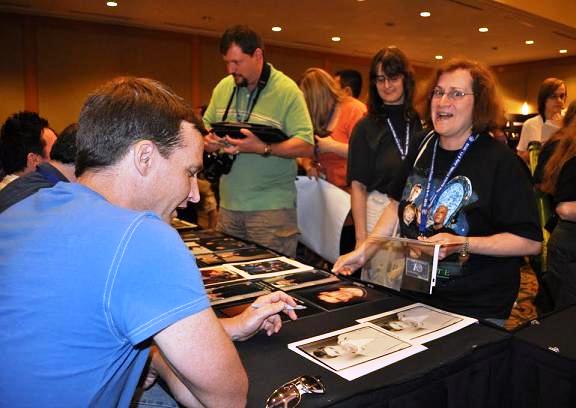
point(348, 112)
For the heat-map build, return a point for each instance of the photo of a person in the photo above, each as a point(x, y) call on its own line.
point(301, 279)
point(338, 295)
point(353, 347)
point(416, 321)
point(439, 218)
point(409, 224)
point(345, 294)
point(213, 276)
point(414, 193)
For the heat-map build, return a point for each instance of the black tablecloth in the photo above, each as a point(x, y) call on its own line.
point(544, 360)
point(469, 368)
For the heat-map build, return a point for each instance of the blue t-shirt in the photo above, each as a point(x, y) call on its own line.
point(83, 285)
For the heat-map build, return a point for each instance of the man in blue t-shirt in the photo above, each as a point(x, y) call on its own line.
point(92, 275)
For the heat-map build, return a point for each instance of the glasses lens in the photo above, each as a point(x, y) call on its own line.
point(309, 384)
point(287, 396)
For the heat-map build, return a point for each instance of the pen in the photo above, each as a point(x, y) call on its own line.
point(286, 306)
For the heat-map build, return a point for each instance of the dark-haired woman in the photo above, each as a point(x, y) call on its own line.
point(559, 180)
point(551, 100)
point(379, 144)
point(490, 219)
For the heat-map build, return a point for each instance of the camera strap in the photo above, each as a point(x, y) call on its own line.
point(262, 81)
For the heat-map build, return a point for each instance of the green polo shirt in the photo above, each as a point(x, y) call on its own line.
point(258, 183)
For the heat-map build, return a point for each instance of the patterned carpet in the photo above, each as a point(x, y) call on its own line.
point(524, 309)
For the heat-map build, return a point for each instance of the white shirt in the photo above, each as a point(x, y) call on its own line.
point(534, 129)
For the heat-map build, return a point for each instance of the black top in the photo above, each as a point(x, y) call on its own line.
point(373, 157)
point(28, 184)
point(488, 193)
point(566, 184)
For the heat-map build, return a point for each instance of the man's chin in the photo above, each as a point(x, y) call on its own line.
point(240, 81)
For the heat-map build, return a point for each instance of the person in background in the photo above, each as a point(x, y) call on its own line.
point(25, 141)
point(379, 144)
point(334, 115)
point(60, 167)
point(490, 228)
point(258, 195)
point(551, 100)
point(350, 82)
point(93, 275)
point(559, 180)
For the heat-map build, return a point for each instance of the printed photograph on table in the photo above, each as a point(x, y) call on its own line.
point(231, 310)
point(218, 274)
point(355, 351)
point(196, 248)
point(338, 295)
point(300, 280)
point(223, 244)
point(187, 235)
point(235, 291)
point(419, 323)
point(180, 224)
point(266, 268)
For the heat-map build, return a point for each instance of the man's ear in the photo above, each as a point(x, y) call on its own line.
point(258, 54)
point(33, 160)
point(144, 154)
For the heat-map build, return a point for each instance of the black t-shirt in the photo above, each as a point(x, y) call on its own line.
point(488, 193)
point(373, 157)
point(566, 183)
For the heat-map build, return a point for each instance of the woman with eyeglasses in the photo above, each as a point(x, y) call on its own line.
point(334, 115)
point(490, 219)
point(559, 180)
point(551, 100)
point(380, 142)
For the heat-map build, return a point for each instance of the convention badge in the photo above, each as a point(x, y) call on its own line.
point(418, 269)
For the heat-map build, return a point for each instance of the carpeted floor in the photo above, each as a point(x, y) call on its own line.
point(524, 309)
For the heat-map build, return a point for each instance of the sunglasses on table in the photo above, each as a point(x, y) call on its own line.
point(290, 394)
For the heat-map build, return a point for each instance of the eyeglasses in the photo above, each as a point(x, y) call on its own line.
point(557, 96)
point(290, 394)
point(453, 94)
point(381, 79)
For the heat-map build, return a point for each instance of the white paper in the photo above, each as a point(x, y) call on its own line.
point(322, 209)
point(373, 349)
point(419, 323)
point(278, 266)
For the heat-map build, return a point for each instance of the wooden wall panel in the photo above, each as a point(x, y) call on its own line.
point(12, 91)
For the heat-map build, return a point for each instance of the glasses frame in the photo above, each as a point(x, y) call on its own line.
point(452, 95)
point(381, 79)
point(304, 384)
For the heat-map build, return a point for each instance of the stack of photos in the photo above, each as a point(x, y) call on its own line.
point(355, 351)
point(405, 263)
point(268, 268)
point(341, 294)
point(223, 244)
point(231, 310)
point(419, 323)
point(217, 275)
point(235, 291)
point(188, 235)
point(182, 225)
point(301, 280)
point(236, 255)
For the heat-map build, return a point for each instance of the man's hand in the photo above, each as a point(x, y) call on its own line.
point(213, 143)
point(250, 144)
point(263, 314)
point(348, 263)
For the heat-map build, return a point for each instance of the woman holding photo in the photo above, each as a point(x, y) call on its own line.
point(491, 219)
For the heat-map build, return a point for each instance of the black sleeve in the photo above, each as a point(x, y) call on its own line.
point(359, 155)
point(514, 207)
point(566, 184)
point(543, 158)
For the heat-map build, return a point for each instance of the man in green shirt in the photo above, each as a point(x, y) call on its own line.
point(258, 196)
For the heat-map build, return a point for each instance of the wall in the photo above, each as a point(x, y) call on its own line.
point(49, 65)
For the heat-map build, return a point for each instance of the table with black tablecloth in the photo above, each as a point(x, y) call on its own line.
point(469, 368)
point(544, 362)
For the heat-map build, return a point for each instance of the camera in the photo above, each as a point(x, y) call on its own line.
point(215, 165)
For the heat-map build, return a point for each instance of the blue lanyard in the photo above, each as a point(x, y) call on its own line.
point(429, 200)
point(403, 152)
point(249, 108)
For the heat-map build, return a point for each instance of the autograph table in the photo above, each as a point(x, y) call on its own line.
point(544, 358)
point(469, 368)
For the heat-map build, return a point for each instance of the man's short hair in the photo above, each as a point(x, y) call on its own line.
point(64, 148)
point(20, 135)
point(124, 111)
point(244, 37)
point(352, 79)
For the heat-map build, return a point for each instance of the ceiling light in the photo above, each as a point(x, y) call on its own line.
point(276, 29)
point(563, 51)
point(483, 29)
point(112, 3)
point(425, 14)
point(529, 42)
point(336, 39)
point(439, 57)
